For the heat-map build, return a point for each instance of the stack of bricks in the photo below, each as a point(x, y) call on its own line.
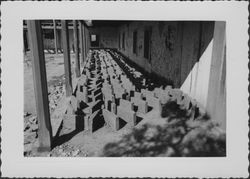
point(106, 93)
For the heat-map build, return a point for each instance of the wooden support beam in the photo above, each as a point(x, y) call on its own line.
point(85, 41)
point(66, 53)
point(55, 36)
point(76, 42)
point(82, 43)
point(24, 40)
point(216, 104)
point(59, 41)
point(40, 85)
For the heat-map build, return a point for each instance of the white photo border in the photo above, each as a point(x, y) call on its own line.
point(14, 164)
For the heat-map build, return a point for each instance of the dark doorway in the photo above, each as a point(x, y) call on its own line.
point(94, 40)
point(147, 43)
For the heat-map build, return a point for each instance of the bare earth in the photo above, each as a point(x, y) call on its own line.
point(55, 77)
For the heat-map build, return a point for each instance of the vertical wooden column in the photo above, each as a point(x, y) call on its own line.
point(76, 42)
point(24, 42)
point(82, 43)
point(55, 36)
point(217, 75)
point(40, 85)
point(66, 53)
point(88, 40)
point(85, 41)
point(59, 41)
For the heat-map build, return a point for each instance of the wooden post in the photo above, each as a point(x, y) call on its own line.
point(55, 36)
point(66, 53)
point(76, 42)
point(59, 41)
point(24, 42)
point(40, 85)
point(216, 105)
point(85, 41)
point(82, 43)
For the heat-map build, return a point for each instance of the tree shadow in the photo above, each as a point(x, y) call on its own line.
point(177, 137)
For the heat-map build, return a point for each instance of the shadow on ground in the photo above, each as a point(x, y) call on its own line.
point(178, 137)
point(59, 140)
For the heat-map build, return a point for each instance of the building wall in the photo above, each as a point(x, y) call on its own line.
point(197, 82)
point(175, 46)
point(189, 53)
point(108, 36)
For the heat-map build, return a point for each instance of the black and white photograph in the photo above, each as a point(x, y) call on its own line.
point(124, 89)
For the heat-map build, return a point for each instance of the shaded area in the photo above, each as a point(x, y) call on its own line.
point(122, 123)
point(83, 105)
point(178, 136)
point(152, 80)
point(138, 119)
point(196, 37)
point(97, 106)
point(59, 140)
point(98, 121)
point(150, 108)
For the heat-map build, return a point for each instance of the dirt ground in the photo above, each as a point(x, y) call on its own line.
point(85, 144)
point(55, 82)
point(55, 77)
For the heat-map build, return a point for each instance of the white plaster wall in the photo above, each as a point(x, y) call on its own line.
point(196, 84)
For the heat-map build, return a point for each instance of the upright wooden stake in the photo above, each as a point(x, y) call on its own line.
point(81, 42)
point(66, 53)
point(40, 81)
point(76, 42)
point(55, 36)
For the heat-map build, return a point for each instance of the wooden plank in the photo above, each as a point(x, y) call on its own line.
point(76, 42)
point(55, 36)
point(66, 53)
point(40, 81)
point(82, 42)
